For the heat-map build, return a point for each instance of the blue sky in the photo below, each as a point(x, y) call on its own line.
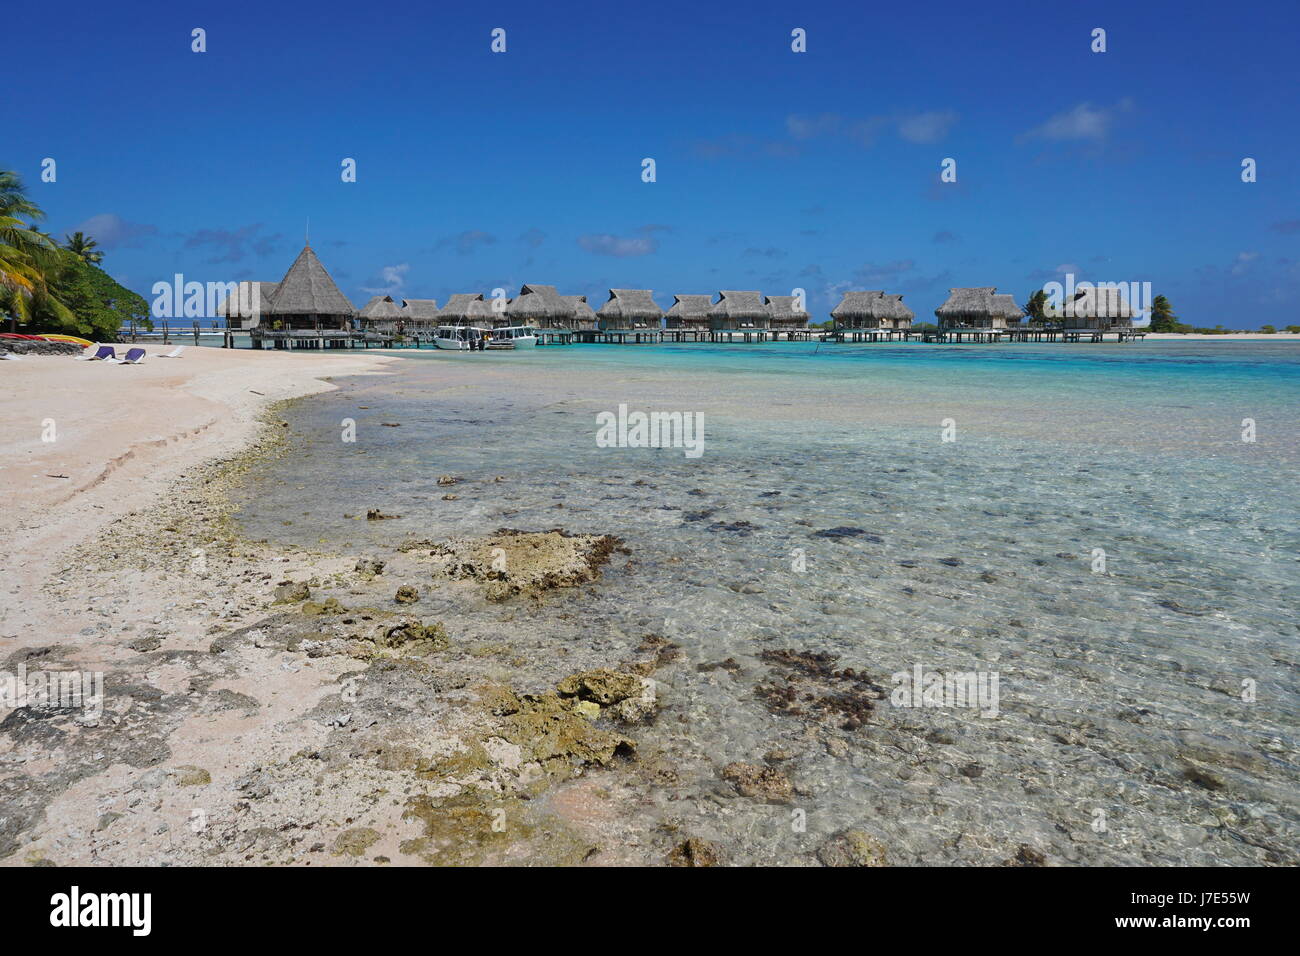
point(775, 170)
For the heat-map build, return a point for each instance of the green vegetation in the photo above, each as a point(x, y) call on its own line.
point(1036, 308)
point(45, 287)
point(1163, 318)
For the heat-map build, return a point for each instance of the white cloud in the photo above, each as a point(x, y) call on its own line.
point(1085, 122)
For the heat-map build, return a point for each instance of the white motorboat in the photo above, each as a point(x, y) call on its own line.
point(460, 338)
point(514, 337)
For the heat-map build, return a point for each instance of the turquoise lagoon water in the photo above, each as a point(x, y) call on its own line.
point(1120, 690)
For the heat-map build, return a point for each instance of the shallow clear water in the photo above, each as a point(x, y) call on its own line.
point(979, 554)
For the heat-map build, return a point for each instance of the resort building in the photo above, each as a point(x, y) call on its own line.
point(584, 316)
point(872, 311)
point(739, 312)
point(307, 299)
point(1096, 307)
point(466, 308)
point(539, 306)
point(782, 314)
point(978, 308)
point(381, 314)
point(419, 315)
point(629, 310)
point(689, 313)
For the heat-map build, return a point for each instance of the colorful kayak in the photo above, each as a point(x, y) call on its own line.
point(67, 338)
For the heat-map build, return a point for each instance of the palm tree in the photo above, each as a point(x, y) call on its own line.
point(26, 255)
point(83, 247)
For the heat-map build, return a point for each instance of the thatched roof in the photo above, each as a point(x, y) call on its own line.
point(637, 306)
point(691, 307)
point(307, 289)
point(379, 308)
point(857, 306)
point(982, 303)
point(538, 303)
point(744, 308)
point(466, 308)
point(420, 310)
point(1105, 302)
point(259, 294)
point(579, 309)
point(781, 308)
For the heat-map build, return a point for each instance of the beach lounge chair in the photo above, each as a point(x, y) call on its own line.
point(132, 357)
point(174, 353)
point(6, 356)
point(89, 353)
point(103, 353)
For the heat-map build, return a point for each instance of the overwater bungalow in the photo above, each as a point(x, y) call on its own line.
point(870, 314)
point(541, 307)
point(244, 310)
point(783, 318)
point(381, 314)
point(689, 312)
point(739, 314)
point(584, 316)
point(629, 310)
point(420, 315)
point(467, 308)
point(1097, 307)
point(978, 309)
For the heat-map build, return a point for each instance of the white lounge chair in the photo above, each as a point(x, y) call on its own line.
point(88, 354)
point(174, 353)
point(10, 357)
point(132, 357)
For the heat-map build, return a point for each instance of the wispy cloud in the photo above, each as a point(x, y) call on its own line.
point(943, 235)
point(113, 232)
point(233, 245)
point(390, 281)
point(532, 238)
point(1286, 226)
point(465, 242)
point(604, 244)
point(1083, 123)
point(929, 127)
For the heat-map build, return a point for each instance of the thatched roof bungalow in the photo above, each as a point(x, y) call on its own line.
point(466, 308)
point(420, 313)
point(781, 309)
point(1096, 307)
point(739, 311)
point(872, 310)
point(307, 298)
point(250, 302)
point(381, 314)
point(539, 306)
point(629, 310)
point(978, 308)
point(690, 311)
point(584, 316)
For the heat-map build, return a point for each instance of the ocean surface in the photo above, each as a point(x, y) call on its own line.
point(1087, 522)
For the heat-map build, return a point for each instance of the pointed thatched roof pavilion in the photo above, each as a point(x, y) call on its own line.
point(307, 298)
point(689, 311)
point(872, 310)
point(783, 315)
point(539, 306)
point(1097, 307)
point(978, 308)
point(739, 311)
point(628, 309)
point(584, 316)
